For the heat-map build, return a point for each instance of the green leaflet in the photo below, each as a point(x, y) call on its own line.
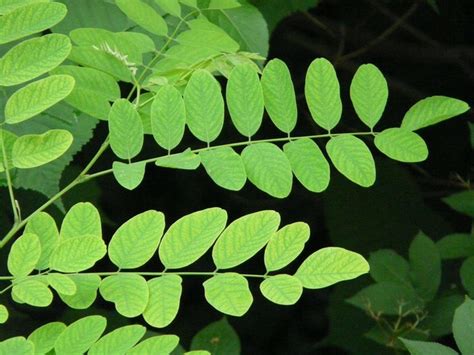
point(432, 110)
point(86, 293)
point(135, 242)
point(467, 275)
point(82, 220)
point(30, 19)
point(223, 4)
point(463, 327)
point(36, 97)
point(369, 94)
point(282, 289)
point(225, 167)
point(268, 169)
point(3, 314)
point(462, 202)
point(129, 176)
point(191, 236)
point(118, 341)
point(229, 293)
point(353, 159)
point(144, 16)
point(279, 94)
point(416, 347)
point(168, 117)
point(441, 312)
point(77, 254)
point(165, 295)
point(243, 238)
point(456, 246)
point(44, 227)
point(24, 255)
point(245, 99)
point(44, 337)
point(129, 292)
point(387, 266)
point(9, 140)
point(126, 130)
point(10, 5)
point(245, 24)
point(308, 164)
point(17, 345)
point(186, 160)
point(33, 292)
point(170, 6)
point(285, 245)
point(386, 297)
point(93, 91)
point(330, 265)
point(425, 266)
point(166, 344)
point(101, 60)
point(204, 106)
point(80, 335)
point(18, 65)
point(228, 344)
point(62, 284)
point(402, 145)
point(323, 94)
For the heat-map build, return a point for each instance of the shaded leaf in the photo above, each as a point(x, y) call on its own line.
point(463, 327)
point(416, 347)
point(218, 337)
point(462, 202)
point(456, 246)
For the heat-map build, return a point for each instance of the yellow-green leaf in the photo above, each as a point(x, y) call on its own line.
point(163, 304)
point(402, 145)
point(82, 219)
point(282, 289)
point(33, 292)
point(24, 255)
point(44, 226)
point(144, 16)
point(225, 167)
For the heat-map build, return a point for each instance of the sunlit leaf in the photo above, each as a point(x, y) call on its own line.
point(118, 341)
point(186, 160)
point(82, 219)
point(144, 16)
point(62, 283)
point(86, 293)
point(24, 255)
point(166, 344)
point(129, 176)
point(165, 296)
point(402, 145)
point(33, 292)
point(282, 289)
point(225, 167)
point(44, 337)
point(17, 345)
point(44, 227)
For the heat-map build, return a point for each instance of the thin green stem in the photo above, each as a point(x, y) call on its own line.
point(16, 215)
point(238, 144)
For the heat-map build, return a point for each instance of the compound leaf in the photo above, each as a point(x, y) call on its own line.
point(18, 65)
point(369, 94)
point(331, 265)
point(129, 292)
point(80, 335)
point(229, 293)
point(322, 94)
point(244, 237)
point(285, 245)
point(268, 169)
point(135, 242)
point(36, 97)
point(24, 255)
point(353, 159)
point(165, 296)
point(33, 150)
point(204, 106)
point(402, 145)
point(225, 167)
point(245, 99)
point(191, 236)
point(279, 95)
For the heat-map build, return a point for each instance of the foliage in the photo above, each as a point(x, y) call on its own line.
point(149, 71)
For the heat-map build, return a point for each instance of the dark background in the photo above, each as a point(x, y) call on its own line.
point(425, 54)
